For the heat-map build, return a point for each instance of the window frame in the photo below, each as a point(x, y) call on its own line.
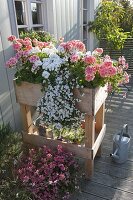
point(28, 15)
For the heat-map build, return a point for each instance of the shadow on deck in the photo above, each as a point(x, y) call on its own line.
point(112, 181)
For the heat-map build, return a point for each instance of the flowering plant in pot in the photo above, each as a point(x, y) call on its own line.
point(49, 174)
point(62, 69)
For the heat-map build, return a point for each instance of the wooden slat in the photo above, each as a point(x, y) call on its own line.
point(28, 93)
point(98, 141)
point(37, 140)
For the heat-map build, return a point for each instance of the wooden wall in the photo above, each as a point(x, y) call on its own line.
point(9, 110)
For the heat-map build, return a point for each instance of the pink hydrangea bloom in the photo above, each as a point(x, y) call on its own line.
point(89, 77)
point(33, 58)
point(11, 38)
point(122, 60)
point(98, 51)
point(11, 62)
point(74, 58)
point(17, 46)
point(27, 42)
point(89, 59)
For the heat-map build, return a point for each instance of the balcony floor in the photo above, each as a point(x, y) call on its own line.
point(112, 181)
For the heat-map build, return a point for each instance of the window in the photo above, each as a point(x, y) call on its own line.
point(30, 14)
point(85, 22)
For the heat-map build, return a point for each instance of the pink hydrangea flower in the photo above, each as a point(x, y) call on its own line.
point(27, 42)
point(33, 58)
point(122, 60)
point(11, 62)
point(74, 58)
point(17, 46)
point(11, 38)
point(89, 59)
point(98, 51)
point(89, 77)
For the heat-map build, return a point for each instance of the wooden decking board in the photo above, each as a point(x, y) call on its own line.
point(106, 192)
point(85, 196)
point(115, 171)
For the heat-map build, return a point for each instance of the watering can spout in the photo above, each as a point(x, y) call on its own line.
point(114, 155)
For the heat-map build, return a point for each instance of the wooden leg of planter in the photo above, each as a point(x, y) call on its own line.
point(99, 124)
point(89, 141)
point(26, 117)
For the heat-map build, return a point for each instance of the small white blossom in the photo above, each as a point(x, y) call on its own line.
point(45, 74)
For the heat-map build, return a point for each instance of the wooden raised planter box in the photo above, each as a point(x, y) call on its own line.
point(92, 103)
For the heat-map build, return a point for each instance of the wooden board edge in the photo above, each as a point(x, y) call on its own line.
point(38, 140)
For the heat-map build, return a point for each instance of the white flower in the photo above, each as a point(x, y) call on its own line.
point(35, 50)
point(45, 74)
point(49, 51)
point(88, 53)
point(61, 49)
point(37, 63)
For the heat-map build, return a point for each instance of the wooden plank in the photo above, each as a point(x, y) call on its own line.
point(84, 196)
point(37, 140)
point(99, 124)
point(106, 192)
point(89, 142)
point(26, 118)
point(28, 93)
point(114, 171)
point(90, 99)
point(98, 141)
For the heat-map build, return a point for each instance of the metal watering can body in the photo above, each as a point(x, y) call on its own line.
point(121, 143)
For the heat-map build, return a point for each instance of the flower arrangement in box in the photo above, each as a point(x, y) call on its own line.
point(49, 174)
point(62, 68)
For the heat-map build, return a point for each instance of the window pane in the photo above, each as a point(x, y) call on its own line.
point(20, 12)
point(36, 13)
point(20, 30)
point(38, 28)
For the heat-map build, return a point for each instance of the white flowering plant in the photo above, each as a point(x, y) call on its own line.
point(61, 69)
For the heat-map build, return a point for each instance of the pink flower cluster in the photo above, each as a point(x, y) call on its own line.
point(23, 48)
point(105, 69)
point(73, 46)
point(48, 175)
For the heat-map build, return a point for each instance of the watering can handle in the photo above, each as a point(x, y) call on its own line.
point(125, 127)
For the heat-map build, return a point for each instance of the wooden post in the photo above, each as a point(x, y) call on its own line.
point(26, 117)
point(99, 123)
point(89, 142)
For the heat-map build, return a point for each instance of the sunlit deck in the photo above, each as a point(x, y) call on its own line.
point(112, 181)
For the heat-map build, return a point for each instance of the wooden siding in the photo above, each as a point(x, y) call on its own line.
point(8, 108)
point(64, 18)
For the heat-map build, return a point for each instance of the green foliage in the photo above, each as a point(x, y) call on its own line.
point(42, 36)
point(126, 23)
point(107, 23)
point(10, 149)
point(5, 130)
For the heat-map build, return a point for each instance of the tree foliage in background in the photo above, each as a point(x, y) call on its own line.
point(111, 23)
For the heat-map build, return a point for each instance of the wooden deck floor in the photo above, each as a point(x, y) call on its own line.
point(112, 181)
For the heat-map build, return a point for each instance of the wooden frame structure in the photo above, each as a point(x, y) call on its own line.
point(92, 103)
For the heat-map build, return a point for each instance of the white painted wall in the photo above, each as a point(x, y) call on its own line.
point(64, 18)
point(9, 110)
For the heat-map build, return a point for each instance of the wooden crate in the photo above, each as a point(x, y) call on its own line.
point(90, 100)
point(93, 104)
point(28, 93)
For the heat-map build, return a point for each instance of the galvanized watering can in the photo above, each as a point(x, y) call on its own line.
point(121, 143)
